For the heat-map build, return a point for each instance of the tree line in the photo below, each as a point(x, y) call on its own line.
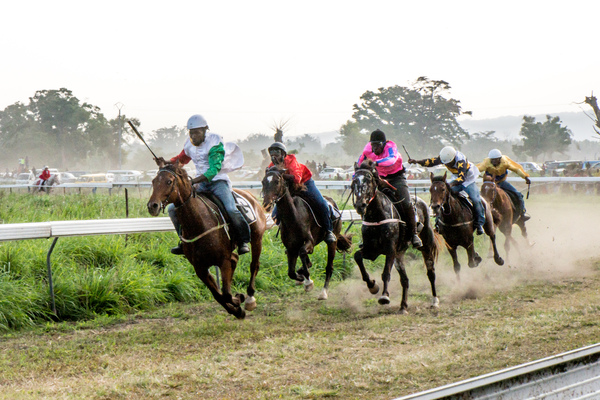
point(56, 127)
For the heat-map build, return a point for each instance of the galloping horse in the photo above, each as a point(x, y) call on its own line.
point(47, 187)
point(503, 210)
point(206, 239)
point(455, 222)
point(300, 231)
point(383, 232)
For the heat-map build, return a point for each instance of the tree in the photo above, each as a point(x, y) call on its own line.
point(543, 138)
point(419, 117)
point(593, 102)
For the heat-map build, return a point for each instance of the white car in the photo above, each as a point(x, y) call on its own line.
point(530, 167)
point(332, 173)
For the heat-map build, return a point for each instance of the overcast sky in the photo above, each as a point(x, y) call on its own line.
point(246, 65)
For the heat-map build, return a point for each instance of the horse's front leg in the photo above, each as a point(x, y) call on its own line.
point(328, 270)
point(455, 263)
point(292, 260)
point(472, 255)
point(306, 265)
point(250, 303)
point(429, 259)
point(206, 277)
point(489, 230)
point(385, 277)
point(403, 281)
point(371, 284)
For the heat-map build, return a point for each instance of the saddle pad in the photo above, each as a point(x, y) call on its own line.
point(334, 211)
point(244, 206)
point(465, 199)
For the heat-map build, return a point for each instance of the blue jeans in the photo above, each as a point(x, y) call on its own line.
point(321, 206)
point(222, 191)
point(507, 187)
point(473, 192)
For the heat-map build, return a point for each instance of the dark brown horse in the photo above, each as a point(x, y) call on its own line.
point(383, 232)
point(300, 232)
point(206, 239)
point(503, 211)
point(455, 222)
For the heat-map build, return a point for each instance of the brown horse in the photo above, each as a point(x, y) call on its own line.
point(300, 231)
point(503, 210)
point(455, 222)
point(206, 239)
point(383, 232)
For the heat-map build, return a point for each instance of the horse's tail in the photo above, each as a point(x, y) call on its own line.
point(438, 244)
point(344, 242)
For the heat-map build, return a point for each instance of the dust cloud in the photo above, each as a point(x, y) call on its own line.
point(564, 235)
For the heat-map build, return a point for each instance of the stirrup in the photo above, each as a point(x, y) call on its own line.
point(243, 248)
point(178, 251)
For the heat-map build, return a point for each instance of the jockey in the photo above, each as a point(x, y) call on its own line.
point(44, 176)
point(498, 165)
point(464, 173)
point(207, 152)
point(389, 166)
point(300, 174)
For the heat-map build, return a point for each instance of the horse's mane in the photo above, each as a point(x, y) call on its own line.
point(177, 169)
point(293, 187)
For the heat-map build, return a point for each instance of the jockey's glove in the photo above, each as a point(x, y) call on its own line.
point(199, 179)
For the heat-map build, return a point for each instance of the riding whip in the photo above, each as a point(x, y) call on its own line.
point(140, 136)
point(528, 186)
point(406, 151)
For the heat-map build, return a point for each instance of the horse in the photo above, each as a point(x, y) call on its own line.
point(455, 222)
point(504, 211)
point(46, 187)
point(300, 231)
point(384, 232)
point(205, 236)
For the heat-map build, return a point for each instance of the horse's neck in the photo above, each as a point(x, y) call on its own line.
point(379, 208)
point(455, 207)
point(286, 208)
point(197, 212)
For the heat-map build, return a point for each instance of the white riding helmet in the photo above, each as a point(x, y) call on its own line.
point(45, 167)
point(447, 154)
point(494, 153)
point(197, 121)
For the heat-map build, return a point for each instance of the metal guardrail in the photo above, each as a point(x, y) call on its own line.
point(571, 375)
point(334, 185)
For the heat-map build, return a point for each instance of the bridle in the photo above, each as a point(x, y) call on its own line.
point(282, 188)
point(369, 177)
point(165, 202)
point(444, 187)
point(494, 190)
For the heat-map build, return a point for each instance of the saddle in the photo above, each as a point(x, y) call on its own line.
point(515, 203)
point(334, 212)
point(243, 206)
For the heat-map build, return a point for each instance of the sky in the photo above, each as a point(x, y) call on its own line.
point(249, 65)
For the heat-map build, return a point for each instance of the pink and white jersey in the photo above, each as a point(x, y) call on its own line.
point(388, 162)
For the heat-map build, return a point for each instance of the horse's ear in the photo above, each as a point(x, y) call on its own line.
point(445, 173)
point(431, 176)
point(355, 165)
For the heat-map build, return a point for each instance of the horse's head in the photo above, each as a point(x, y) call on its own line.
point(364, 185)
point(273, 187)
point(171, 185)
point(488, 188)
point(439, 190)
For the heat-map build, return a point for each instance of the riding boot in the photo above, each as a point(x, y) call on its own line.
point(412, 226)
point(177, 250)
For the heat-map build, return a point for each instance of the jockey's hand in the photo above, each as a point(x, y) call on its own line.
point(528, 181)
point(412, 161)
point(454, 183)
point(199, 179)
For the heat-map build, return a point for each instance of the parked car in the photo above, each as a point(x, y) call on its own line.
point(126, 175)
point(25, 178)
point(590, 164)
point(331, 173)
point(531, 167)
point(67, 177)
point(97, 178)
point(558, 167)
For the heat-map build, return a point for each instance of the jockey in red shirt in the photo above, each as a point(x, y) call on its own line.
point(44, 176)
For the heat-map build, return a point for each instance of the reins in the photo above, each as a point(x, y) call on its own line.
point(392, 208)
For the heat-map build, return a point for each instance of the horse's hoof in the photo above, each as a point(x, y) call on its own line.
point(499, 261)
point(403, 311)
point(308, 285)
point(250, 303)
point(323, 295)
point(435, 303)
point(298, 283)
point(374, 289)
point(383, 300)
point(241, 314)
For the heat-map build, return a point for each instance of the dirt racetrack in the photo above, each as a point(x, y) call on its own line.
point(543, 301)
